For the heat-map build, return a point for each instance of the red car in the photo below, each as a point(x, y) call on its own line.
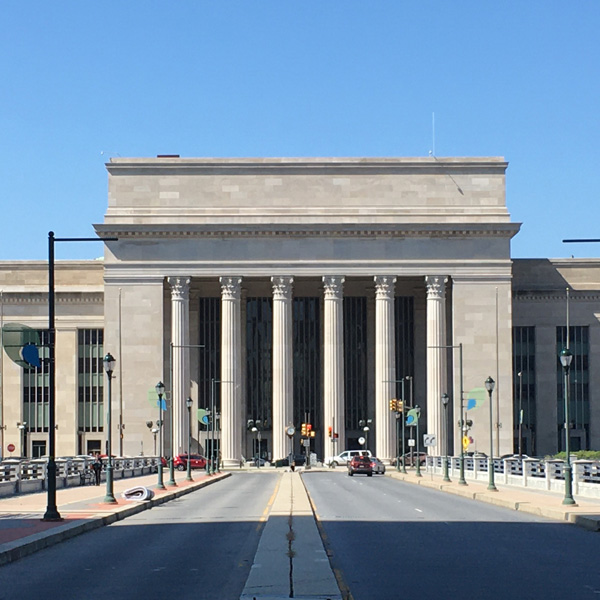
point(360, 464)
point(196, 461)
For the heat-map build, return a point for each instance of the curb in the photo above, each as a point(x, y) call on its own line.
point(17, 549)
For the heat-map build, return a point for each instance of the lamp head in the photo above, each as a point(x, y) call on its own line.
point(149, 424)
point(189, 402)
point(445, 400)
point(109, 364)
point(490, 384)
point(566, 356)
point(160, 389)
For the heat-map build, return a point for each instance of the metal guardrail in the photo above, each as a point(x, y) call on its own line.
point(12, 470)
point(526, 472)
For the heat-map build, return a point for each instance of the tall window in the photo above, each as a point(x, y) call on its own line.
point(405, 349)
point(210, 352)
point(524, 392)
point(36, 390)
point(355, 359)
point(259, 359)
point(90, 375)
point(307, 361)
point(579, 398)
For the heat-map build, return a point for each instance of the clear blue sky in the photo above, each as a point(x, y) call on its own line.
point(81, 81)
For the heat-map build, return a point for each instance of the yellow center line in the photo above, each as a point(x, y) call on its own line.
point(269, 505)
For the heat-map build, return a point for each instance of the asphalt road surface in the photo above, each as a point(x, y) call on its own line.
point(199, 546)
point(394, 540)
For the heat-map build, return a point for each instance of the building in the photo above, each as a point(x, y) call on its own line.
point(291, 291)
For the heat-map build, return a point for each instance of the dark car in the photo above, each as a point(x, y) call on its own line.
point(360, 464)
point(196, 461)
point(299, 460)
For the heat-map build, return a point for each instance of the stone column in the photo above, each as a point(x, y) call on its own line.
point(436, 359)
point(230, 385)
point(333, 362)
point(180, 360)
point(385, 366)
point(283, 361)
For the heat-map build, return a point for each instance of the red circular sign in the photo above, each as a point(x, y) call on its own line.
point(10, 447)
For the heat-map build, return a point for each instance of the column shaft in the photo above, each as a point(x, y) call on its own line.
point(180, 361)
point(333, 361)
point(436, 359)
point(385, 366)
point(283, 360)
point(230, 385)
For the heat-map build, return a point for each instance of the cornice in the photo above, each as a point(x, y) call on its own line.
point(304, 166)
point(554, 296)
point(39, 298)
point(176, 231)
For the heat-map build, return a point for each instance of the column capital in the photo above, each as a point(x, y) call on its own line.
point(282, 287)
point(384, 286)
point(436, 286)
point(334, 286)
point(231, 287)
point(180, 287)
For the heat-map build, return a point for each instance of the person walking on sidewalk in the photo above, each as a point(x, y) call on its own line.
point(97, 466)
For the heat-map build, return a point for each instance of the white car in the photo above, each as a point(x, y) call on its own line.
point(344, 457)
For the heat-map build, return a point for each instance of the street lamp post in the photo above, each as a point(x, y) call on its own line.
point(520, 376)
point(52, 513)
point(109, 365)
point(445, 400)
point(490, 384)
point(189, 403)
point(401, 413)
point(461, 421)
point(565, 358)
point(160, 390)
point(418, 472)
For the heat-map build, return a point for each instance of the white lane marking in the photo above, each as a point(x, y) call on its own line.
point(418, 510)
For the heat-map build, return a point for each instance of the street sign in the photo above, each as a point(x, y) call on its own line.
point(411, 443)
point(306, 443)
point(10, 447)
point(429, 440)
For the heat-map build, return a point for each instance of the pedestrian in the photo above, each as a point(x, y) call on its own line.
point(97, 466)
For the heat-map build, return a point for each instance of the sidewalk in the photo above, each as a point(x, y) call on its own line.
point(23, 532)
point(585, 514)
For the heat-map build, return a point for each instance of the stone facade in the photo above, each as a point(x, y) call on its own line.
point(433, 233)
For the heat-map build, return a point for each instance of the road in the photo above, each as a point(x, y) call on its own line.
point(394, 540)
point(199, 546)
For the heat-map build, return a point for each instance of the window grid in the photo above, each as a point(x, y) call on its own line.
point(90, 354)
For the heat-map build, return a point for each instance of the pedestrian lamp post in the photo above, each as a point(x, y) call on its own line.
point(565, 358)
point(21, 427)
point(160, 390)
point(189, 402)
point(445, 400)
point(154, 432)
point(418, 413)
point(490, 384)
point(364, 426)
point(109, 365)
point(255, 427)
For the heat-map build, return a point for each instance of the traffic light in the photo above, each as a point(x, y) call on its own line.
point(330, 431)
point(312, 433)
point(393, 404)
point(304, 430)
point(308, 429)
point(400, 406)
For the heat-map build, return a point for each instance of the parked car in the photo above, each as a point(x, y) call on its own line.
point(258, 462)
point(360, 464)
point(196, 461)
point(411, 460)
point(299, 460)
point(377, 466)
point(344, 457)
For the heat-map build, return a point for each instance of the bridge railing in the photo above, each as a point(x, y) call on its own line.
point(19, 476)
point(541, 474)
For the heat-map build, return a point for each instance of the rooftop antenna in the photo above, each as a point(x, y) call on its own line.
point(432, 151)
